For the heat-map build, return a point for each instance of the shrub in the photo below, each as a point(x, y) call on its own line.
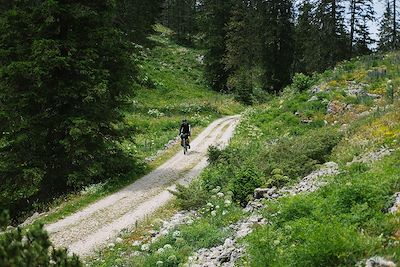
point(214, 154)
point(302, 82)
point(277, 178)
point(297, 156)
point(307, 243)
point(32, 248)
point(193, 196)
point(246, 179)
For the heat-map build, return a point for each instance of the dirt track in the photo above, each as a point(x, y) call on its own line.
point(91, 228)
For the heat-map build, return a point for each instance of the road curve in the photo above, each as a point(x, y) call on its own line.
point(89, 229)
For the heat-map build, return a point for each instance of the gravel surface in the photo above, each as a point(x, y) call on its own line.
point(94, 226)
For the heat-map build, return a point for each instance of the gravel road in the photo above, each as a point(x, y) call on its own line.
point(92, 227)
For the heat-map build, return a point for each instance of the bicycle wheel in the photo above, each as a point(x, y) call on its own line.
point(184, 146)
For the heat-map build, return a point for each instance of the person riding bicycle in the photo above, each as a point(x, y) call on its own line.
point(185, 132)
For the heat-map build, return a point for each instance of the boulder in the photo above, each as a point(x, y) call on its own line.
point(335, 107)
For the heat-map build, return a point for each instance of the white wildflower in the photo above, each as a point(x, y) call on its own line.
point(176, 234)
point(167, 246)
point(172, 258)
point(145, 247)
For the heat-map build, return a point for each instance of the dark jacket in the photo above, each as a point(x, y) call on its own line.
point(185, 128)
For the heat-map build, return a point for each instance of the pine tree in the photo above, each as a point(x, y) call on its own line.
point(333, 39)
point(31, 248)
point(181, 16)
point(361, 12)
point(306, 40)
point(65, 72)
point(389, 32)
point(277, 42)
point(241, 49)
point(215, 16)
point(136, 17)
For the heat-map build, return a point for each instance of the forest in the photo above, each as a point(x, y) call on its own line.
point(70, 72)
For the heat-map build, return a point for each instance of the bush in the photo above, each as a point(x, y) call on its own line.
point(214, 153)
point(246, 179)
point(297, 156)
point(191, 197)
point(302, 82)
point(32, 248)
point(277, 178)
point(338, 225)
point(308, 243)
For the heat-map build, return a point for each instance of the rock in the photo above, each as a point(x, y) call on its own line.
point(145, 247)
point(31, 219)
point(153, 233)
point(200, 59)
point(363, 114)
point(315, 90)
point(335, 107)
point(306, 121)
point(356, 92)
point(343, 128)
point(111, 245)
point(263, 192)
point(396, 205)
point(229, 242)
point(375, 96)
point(371, 157)
point(119, 240)
point(379, 262)
point(313, 98)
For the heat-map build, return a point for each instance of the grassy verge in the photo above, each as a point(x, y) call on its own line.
point(280, 142)
point(172, 87)
point(174, 248)
point(339, 225)
point(73, 202)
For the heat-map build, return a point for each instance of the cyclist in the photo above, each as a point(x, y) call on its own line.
point(184, 132)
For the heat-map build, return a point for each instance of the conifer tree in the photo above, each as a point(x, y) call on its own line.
point(136, 17)
point(65, 72)
point(277, 44)
point(241, 49)
point(214, 18)
point(361, 12)
point(306, 39)
point(181, 16)
point(388, 31)
point(333, 39)
point(31, 248)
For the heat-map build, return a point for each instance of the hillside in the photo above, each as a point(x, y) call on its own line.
point(171, 87)
point(311, 178)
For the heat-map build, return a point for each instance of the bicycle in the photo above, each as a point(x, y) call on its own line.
point(185, 143)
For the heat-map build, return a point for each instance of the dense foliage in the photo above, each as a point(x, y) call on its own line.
point(260, 45)
point(66, 71)
point(31, 248)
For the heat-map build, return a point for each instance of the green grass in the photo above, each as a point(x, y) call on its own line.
point(205, 232)
point(338, 225)
point(276, 144)
point(172, 88)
